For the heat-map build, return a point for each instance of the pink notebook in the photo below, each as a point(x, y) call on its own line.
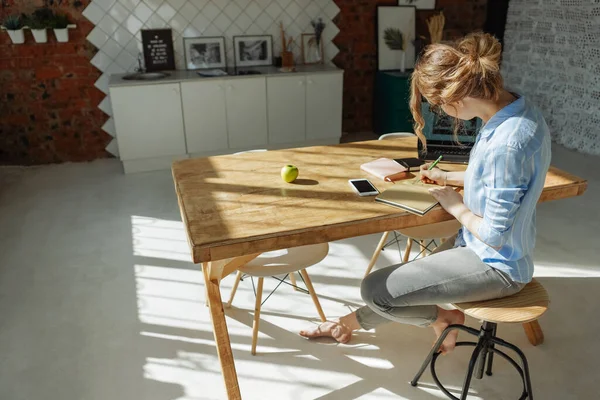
point(386, 169)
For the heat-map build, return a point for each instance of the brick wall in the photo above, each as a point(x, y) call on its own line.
point(358, 48)
point(48, 103)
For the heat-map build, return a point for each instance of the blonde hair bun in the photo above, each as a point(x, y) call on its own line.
point(448, 73)
point(481, 52)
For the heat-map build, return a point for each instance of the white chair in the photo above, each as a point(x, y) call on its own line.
point(424, 235)
point(395, 135)
point(280, 262)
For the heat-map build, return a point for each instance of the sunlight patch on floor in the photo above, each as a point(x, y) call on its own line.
point(159, 238)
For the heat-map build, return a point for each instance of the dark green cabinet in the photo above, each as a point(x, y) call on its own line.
point(391, 111)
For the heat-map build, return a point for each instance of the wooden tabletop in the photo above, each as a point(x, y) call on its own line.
point(235, 205)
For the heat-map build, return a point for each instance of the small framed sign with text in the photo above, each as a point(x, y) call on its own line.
point(158, 49)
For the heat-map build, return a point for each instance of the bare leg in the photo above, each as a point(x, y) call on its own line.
point(445, 318)
point(340, 329)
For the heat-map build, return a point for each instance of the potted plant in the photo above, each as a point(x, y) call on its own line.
point(39, 22)
point(60, 25)
point(14, 27)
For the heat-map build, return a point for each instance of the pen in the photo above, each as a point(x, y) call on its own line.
point(434, 163)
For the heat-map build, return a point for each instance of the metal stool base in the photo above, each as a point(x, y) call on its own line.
point(484, 350)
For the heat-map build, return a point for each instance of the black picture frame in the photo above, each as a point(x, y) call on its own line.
point(188, 42)
point(159, 54)
point(264, 52)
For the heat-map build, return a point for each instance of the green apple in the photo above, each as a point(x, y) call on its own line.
point(289, 173)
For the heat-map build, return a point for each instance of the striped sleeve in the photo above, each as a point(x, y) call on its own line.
point(506, 177)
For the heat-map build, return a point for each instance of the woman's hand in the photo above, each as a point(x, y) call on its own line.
point(436, 175)
point(449, 199)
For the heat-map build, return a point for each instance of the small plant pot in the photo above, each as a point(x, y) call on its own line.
point(62, 35)
point(17, 36)
point(40, 35)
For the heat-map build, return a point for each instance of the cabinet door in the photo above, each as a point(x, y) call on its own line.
point(148, 120)
point(246, 112)
point(204, 115)
point(324, 106)
point(286, 100)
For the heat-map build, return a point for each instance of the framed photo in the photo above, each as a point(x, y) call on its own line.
point(395, 36)
point(311, 52)
point(253, 50)
point(205, 52)
point(420, 4)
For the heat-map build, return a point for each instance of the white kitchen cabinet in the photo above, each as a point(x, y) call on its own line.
point(204, 116)
point(324, 106)
point(246, 100)
point(148, 121)
point(159, 122)
point(286, 101)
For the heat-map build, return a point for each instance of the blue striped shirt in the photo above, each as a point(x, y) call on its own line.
point(503, 182)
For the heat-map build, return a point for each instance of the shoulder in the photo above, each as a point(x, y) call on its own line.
point(525, 131)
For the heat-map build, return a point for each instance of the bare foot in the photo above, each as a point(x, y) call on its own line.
point(446, 318)
point(334, 329)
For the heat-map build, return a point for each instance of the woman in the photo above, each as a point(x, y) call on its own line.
point(492, 253)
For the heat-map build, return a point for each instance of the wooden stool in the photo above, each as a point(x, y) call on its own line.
point(524, 307)
point(279, 262)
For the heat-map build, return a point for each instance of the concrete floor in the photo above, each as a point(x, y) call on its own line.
point(98, 300)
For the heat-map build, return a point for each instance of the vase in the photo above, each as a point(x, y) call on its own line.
point(62, 35)
point(402, 61)
point(17, 36)
point(317, 53)
point(40, 35)
point(399, 60)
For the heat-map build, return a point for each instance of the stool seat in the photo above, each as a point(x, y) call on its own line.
point(284, 261)
point(526, 306)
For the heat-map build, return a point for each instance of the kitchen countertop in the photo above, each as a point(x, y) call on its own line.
point(184, 75)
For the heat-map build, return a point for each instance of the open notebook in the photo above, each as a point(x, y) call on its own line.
point(410, 195)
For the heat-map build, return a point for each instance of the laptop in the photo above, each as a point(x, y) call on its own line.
point(439, 132)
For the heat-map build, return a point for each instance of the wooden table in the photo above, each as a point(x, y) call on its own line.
point(236, 207)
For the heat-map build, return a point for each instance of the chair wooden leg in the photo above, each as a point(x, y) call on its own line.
point(407, 250)
point(376, 253)
point(534, 332)
point(422, 248)
point(293, 280)
point(238, 278)
point(256, 321)
point(311, 290)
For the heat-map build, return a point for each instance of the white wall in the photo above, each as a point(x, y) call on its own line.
point(118, 24)
point(552, 55)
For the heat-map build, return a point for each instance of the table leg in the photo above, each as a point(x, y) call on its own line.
point(224, 351)
point(213, 273)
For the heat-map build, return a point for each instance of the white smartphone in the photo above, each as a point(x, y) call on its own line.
point(363, 187)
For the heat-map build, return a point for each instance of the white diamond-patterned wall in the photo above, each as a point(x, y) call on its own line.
point(552, 55)
point(118, 24)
